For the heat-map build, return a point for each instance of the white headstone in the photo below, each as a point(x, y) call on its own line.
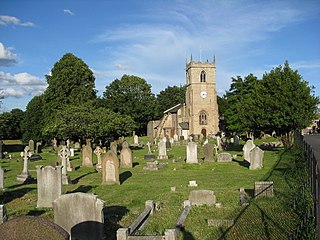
point(71, 152)
point(256, 158)
point(136, 140)
point(162, 150)
point(192, 153)
point(247, 148)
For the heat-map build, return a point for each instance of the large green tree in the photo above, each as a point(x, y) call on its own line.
point(239, 107)
point(10, 124)
point(168, 98)
point(284, 102)
point(71, 83)
point(132, 96)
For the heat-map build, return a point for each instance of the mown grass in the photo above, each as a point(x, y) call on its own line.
point(265, 218)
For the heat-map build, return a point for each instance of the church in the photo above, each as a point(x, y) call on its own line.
point(199, 114)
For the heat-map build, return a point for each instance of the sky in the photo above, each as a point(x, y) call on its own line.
point(153, 40)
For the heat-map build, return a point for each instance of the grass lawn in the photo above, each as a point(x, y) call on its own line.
point(264, 218)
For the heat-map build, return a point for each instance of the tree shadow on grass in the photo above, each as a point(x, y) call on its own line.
point(36, 213)
point(124, 176)
point(135, 164)
point(81, 188)
point(112, 217)
point(9, 196)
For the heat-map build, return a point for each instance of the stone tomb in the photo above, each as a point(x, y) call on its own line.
point(263, 189)
point(202, 197)
point(126, 158)
point(208, 152)
point(192, 153)
point(81, 215)
point(87, 156)
point(246, 150)
point(49, 183)
point(224, 157)
point(110, 168)
point(1, 179)
point(256, 158)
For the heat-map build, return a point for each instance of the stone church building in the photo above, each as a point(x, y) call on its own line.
point(199, 114)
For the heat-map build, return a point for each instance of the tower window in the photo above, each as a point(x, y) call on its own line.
point(203, 76)
point(202, 118)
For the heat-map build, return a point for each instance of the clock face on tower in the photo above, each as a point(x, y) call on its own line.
point(203, 94)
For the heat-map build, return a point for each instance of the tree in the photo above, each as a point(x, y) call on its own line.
point(284, 103)
point(239, 110)
point(71, 83)
point(10, 124)
point(168, 98)
point(131, 96)
point(32, 123)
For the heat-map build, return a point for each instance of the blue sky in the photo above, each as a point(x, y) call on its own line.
point(152, 39)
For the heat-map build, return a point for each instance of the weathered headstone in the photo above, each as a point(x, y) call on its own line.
point(81, 215)
point(68, 143)
point(38, 147)
point(49, 184)
point(24, 176)
point(162, 150)
point(256, 158)
point(71, 152)
point(153, 166)
point(236, 140)
point(1, 179)
point(114, 148)
point(110, 168)
point(224, 157)
point(263, 189)
point(202, 197)
point(125, 144)
point(192, 183)
point(243, 197)
point(64, 154)
point(98, 152)
point(192, 153)
point(176, 138)
point(219, 142)
point(77, 145)
point(208, 152)
point(31, 146)
point(126, 158)
point(87, 156)
point(3, 214)
point(246, 149)
point(136, 140)
point(149, 147)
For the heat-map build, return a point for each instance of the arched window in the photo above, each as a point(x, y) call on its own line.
point(203, 118)
point(203, 76)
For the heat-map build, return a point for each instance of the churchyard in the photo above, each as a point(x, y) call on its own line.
point(234, 214)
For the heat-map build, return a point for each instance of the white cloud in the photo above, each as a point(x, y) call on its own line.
point(7, 58)
point(7, 20)
point(68, 11)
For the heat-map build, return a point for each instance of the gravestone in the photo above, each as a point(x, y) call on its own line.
point(38, 147)
point(126, 158)
point(236, 140)
point(1, 149)
point(110, 168)
point(3, 214)
point(31, 146)
point(208, 152)
point(246, 150)
point(202, 197)
point(153, 166)
point(77, 145)
point(68, 143)
point(192, 153)
point(176, 138)
point(243, 197)
point(162, 150)
point(114, 148)
point(98, 152)
point(136, 140)
point(87, 156)
point(193, 183)
point(224, 157)
point(263, 189)
point(81, 215)
point(71, 152)
point(54, 143)
point(1, 179)
point(49, 184)
point(219, 142)
point(24, 176)
point(125, 144)
point(256, 158)
point(168, 143)
point(64, 154)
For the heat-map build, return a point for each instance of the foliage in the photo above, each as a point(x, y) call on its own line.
point(71, 83)
point(33, 121)
point(239, 110)
point(283, 103)
point(83, 122)
point(168, 98)
point(222, 105)
point(10, 124)
point(132, 96)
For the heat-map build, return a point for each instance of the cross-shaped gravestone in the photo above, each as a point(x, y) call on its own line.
point(24, 176)
point(149, 147)
point(64, 154)
point(98, 152)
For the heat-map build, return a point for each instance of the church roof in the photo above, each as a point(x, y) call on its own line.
point(184, 125)
point(174, 109)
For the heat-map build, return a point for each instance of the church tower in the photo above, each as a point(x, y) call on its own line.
point(201, 98)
